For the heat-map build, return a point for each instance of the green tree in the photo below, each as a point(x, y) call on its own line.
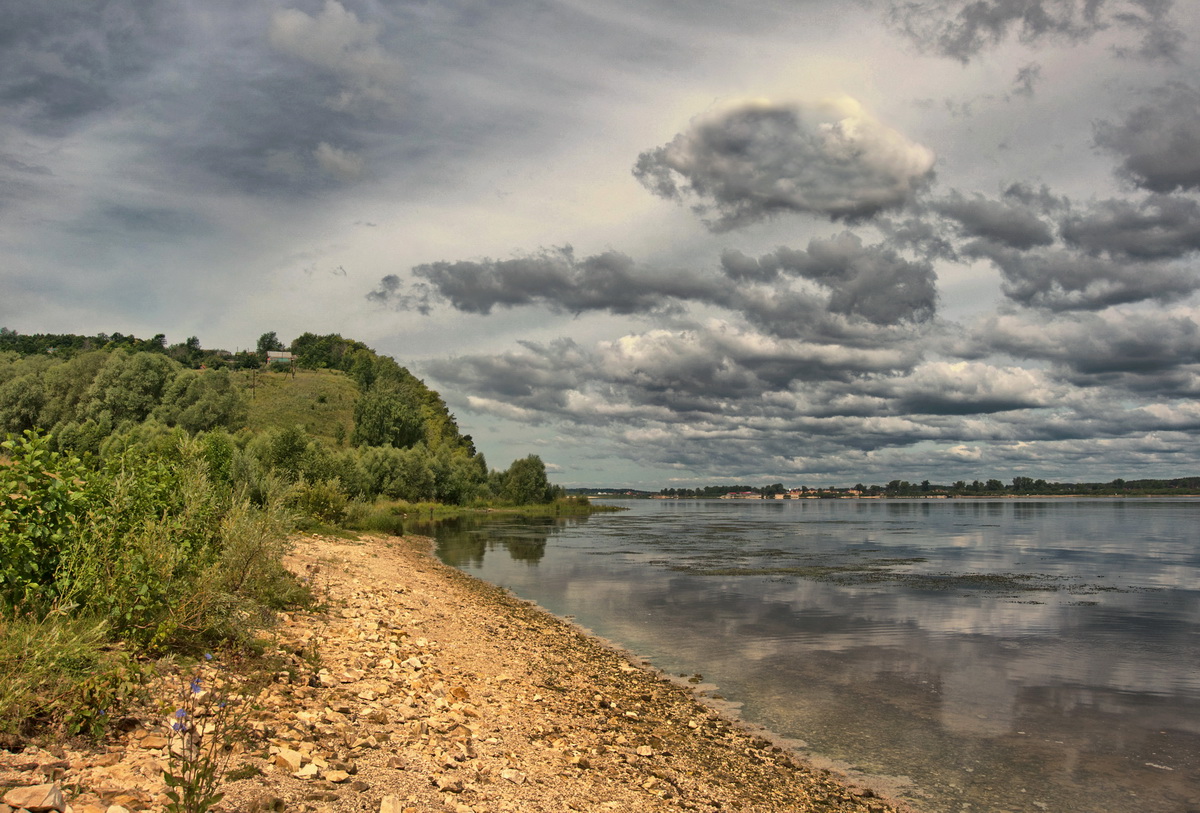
point(268, 341)
point(21, 402)
point(525, 483)
point(384, 417)
point(129, 386)
point(67, 386)
point(199, 401)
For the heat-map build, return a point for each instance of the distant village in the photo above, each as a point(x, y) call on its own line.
point(797, 494)
point(1018, 487)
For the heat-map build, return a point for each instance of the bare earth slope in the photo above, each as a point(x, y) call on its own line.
point(436, 691)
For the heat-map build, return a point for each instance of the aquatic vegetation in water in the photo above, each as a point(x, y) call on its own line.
point(880, 571)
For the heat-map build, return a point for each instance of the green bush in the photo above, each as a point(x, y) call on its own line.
point(146, 551)
point(43, 500)
point(323, 501)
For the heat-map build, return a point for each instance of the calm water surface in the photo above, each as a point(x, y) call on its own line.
point(1012, 655)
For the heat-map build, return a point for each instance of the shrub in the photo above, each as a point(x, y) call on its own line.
point(43, 498)
point(323, 501)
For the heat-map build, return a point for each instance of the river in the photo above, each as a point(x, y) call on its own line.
point(999, 655)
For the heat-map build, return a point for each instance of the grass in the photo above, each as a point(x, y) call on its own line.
point(322, 401)
point(61, 669)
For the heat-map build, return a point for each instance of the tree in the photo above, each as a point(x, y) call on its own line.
point(525, 482)
point(384, 417)
point(199, 401)
point(268, 341)
point(129, 386)
point(21, 401)
point(1022, 484)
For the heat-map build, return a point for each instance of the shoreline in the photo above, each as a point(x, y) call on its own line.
point(417, 687)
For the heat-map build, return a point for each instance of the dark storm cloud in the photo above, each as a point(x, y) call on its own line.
point(557, 280)
point(860, 295)
point(1009, 222)
point(961, 29)
point(1062, 280)
point(1142, 352)
point(63, 61)
point(663, 376)
point(1040, 200)
point(928, 239)
point(755, 161)
point(1159, 227)
point(1159, 142)
point(231, 97)
point(1056, 255)
point(871, 282)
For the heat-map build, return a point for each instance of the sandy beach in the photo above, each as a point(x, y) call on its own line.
point(416, 687)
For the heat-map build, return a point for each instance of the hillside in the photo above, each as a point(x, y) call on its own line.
point(321, 401)
point(334, 418)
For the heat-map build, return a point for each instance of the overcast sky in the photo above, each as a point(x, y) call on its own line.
point(659, 244)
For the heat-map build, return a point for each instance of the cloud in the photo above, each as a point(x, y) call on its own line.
point(338, 42)
point(1053, 254)
point(871, 282)
point(1159, 227)
point(711, 375)
point(757, 160)
point(1011, 222)
point(554, 279)
point(1026, 79)
point(1062, 280)
point(961, 29)
point(1159, 142)
point(1144, 354)
point(62, 62)
point(837, 290)
point(728, 399)
point(342, 164)
point(971, 388)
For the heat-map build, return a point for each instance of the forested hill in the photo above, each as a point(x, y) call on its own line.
point(336, 414)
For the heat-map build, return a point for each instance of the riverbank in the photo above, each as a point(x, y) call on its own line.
point(419, 688)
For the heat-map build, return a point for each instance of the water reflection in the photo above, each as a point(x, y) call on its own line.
point(1006, 655)
point(464, 542)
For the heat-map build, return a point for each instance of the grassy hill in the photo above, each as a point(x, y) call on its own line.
point(322, 401)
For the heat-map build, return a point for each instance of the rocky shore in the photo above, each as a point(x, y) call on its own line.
point(418, 688)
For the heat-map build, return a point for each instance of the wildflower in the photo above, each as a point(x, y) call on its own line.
point(195, 685)
point(180, 713)
point(208, 656)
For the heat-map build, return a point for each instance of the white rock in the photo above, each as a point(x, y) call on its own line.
point(36, 798)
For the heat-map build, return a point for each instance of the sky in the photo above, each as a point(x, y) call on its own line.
point(668, 244)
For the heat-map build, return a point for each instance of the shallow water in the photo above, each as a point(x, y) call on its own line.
point(1009, 655)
